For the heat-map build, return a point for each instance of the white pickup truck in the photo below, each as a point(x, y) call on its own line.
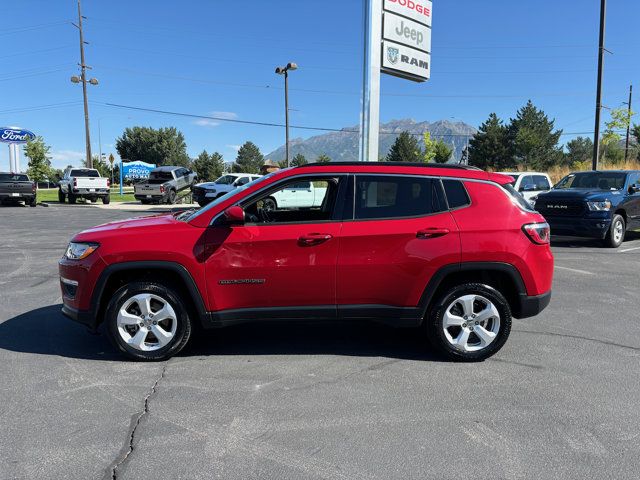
point(297, 195)
point(83, 183)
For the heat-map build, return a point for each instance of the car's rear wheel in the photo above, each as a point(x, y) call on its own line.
point(269, 204)
point(148, 321)
point(72, 198)
point(60, 196)
point(106, 199)
point(171, 199)
point(615, 235)
point(470, 322)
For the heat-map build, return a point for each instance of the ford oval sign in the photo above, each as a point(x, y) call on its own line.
point(15, 135)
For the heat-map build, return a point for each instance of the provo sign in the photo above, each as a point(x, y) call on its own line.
point(405, 31)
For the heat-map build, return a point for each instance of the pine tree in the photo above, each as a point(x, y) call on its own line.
point(39, 168)
point(489, 148)
point(208, 167)
point(579, 150)
point(405, 149)
point(534, 143)
point(249, 159)
point(299, 160)
point(442, 152)
point(323, 159)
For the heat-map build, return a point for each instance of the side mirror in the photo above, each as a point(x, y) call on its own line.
point(234, 215)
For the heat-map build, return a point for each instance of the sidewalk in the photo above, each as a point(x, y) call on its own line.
point(131, 206)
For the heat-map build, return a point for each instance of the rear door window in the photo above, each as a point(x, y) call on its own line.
point(541, 182)
point(388, 197)
point(457, 195)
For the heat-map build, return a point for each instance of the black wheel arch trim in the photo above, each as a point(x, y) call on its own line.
point(173, 267)
point(522, 309)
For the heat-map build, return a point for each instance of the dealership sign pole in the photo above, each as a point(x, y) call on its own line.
point(397, 42)
point(14, 137)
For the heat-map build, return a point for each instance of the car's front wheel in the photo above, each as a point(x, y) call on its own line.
point(470, 322)
point(60, 195)
point(148, 321)
point(615, 235)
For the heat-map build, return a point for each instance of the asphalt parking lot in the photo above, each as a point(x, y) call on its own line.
point(317, 401)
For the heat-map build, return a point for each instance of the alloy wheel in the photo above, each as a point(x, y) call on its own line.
point(471, 323)
point(147, 322)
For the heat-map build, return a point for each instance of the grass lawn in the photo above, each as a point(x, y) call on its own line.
point(50, 195)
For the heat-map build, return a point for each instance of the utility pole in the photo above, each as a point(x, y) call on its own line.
point(601, 50)
point(626, 147)
point(285, 71)
point(83, 79)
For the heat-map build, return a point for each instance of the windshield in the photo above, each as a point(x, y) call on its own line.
point(593, 180)
point(84, 173)
point(13, 177)
point(193, 214)
point(226, 180)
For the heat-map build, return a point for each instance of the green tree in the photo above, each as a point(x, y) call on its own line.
point(635, 131)
point(103, 167)
point(443, 152)
point(610, 149)
point(208, 167)
point(579, 150)
point(39, 167)
point(489, 147)
point(249, 159)
point(405, 149)
point(534, 143)
point(299, 160)
point(429, 152)
point(164, 146)
point(323, 158)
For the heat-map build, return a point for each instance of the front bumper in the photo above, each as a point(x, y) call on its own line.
point(84, 317)
point(530, 306)
point(579, 226)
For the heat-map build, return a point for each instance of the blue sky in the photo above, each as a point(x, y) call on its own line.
point(217, 57)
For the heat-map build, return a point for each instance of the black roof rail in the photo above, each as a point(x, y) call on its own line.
point(392, 164)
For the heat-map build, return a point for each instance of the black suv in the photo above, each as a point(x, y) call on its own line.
point(596, 204)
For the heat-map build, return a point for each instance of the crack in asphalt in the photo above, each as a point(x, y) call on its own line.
point(579, 337)
point(136, 419)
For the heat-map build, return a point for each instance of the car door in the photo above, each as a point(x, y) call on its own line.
point(279, 258)
point(400, 234)
point(632, 201)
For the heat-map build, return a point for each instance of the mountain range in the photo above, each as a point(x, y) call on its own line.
point(343, 145)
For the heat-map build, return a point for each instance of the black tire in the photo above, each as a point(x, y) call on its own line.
point(32, 202)
point(434, 323)
point(72, 198)
point(183, 322)
point(614, 238)
point(269, 204)
point(171, 198)
point(61, 196)
point(106, 199)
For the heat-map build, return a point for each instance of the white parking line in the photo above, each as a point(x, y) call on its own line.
point(575, 270)
point(629, 249)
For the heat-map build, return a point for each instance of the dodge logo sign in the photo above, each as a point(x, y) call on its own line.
point(392, 54)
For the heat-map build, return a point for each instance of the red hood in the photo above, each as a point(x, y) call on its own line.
point(120, 226)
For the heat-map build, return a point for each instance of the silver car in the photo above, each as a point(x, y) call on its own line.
point(165, 184)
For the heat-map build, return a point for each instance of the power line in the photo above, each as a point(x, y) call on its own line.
point(29, 28)
point(33, 52)
point(41, 107)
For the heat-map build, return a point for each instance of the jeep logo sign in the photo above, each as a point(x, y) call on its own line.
point(418, 10)
point(15, 135)
point(401, 30)
point(398, 59)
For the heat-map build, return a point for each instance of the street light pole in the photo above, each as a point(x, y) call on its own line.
point(285, 71)
point(626, 147)
point(601, 50)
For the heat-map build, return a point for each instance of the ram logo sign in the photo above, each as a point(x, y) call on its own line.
point(15, 135)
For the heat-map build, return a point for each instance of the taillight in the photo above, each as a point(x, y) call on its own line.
point(538, 233)
point(33, 187)
point(75, 182)
point(108, 183)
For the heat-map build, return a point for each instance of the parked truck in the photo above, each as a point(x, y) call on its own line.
point(16, 187)
point(164, 184)
point(84, 183)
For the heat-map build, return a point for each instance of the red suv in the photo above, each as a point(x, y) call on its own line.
point(454, 250)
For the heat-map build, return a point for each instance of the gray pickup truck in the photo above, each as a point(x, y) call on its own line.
point(164, 184)
point(16, 187)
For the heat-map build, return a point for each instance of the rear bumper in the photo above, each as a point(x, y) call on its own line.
point(150, 196)
point(530, 306)
point(88, 192)
point(20, 196)
point(579, 227)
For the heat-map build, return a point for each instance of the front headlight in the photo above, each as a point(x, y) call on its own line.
point(599, 206)
point(79, 251)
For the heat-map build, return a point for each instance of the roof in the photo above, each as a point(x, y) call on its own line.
point(522, 173)
point(392, 164)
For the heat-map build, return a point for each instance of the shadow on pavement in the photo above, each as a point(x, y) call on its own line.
point(579, 242)
point(45, 331)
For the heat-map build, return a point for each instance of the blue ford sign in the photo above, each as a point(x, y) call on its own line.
point(15, 135)
point(136, 170)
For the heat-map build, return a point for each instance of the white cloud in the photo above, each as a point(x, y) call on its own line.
point(210, 122)
point(235, 148)
point(62, 158)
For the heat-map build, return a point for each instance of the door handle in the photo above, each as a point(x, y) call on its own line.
point(432, 232)
point(312, 239)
